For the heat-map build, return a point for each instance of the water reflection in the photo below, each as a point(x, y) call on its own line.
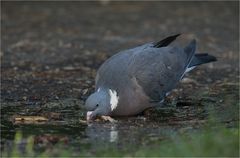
point(102, 132)
point(35, 140)
point(113, 134)
point(124, 133)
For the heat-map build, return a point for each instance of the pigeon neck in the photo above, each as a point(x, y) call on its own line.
point(111, 95)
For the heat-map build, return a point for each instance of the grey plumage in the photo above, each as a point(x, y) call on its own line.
point(157, 70)
point(144, 75)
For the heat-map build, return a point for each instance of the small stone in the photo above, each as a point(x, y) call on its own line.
point(46, 67)
point(209, 80)
point(24, 98)
point(85, 91)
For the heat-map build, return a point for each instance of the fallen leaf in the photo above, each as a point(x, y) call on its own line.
point(29, 119)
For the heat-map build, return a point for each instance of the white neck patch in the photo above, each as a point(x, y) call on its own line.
point(113, 99)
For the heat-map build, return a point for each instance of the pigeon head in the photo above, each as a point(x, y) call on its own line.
point(100, 103)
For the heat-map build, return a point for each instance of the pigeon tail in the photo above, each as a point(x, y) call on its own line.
point(200, 59)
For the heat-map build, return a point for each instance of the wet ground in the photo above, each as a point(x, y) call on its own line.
point(51, 51)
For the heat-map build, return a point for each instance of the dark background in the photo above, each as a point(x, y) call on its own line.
point(42, 40)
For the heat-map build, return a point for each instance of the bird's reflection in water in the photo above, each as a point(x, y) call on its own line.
point(126, 134)
point(113, 134)
point(102, 133)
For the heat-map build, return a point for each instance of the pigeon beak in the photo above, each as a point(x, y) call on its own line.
point(90, 115)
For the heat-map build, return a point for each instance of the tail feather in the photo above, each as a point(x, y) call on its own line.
point(199, 59)
point(189, 51)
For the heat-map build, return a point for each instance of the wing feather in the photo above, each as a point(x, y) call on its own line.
point(158, 70)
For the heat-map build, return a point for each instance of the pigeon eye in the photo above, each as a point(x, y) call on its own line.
point(97, 105)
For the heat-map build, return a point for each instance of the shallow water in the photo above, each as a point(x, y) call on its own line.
point(50, 54)
point(69, 130)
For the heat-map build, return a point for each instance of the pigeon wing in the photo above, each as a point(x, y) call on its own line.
point(113, 73)
point(158, 70)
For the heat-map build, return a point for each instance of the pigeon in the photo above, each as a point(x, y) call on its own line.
point(136, 79)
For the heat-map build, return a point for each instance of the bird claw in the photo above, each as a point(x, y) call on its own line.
point(100, 118)
point(108, 118)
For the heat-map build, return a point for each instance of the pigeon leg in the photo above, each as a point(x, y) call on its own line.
point(108, 118)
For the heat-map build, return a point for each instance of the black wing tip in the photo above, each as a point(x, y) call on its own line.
point(176, 35)
point(166, 41)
